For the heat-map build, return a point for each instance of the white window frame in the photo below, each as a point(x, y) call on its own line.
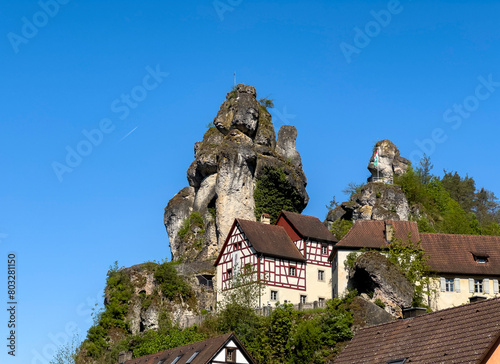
point(478, 286)
point(303, 298)
point(292, 271)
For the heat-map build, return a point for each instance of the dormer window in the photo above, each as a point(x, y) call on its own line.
point(480, 259)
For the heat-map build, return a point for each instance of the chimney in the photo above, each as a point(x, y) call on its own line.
point(389, 232)
point(123, 356)
point(477, 299)
point(412, 312)
point(265, 218)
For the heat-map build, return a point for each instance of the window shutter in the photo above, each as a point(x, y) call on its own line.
point(495, 286)
point(486, 285)
point(443, 284)
point(457, 284)
point(471, 285)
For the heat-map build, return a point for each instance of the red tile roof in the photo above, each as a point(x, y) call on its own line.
point(371, 233)
point(207, 350)
point(308, 226)
point(453, 253)
point(270, 240)
point(463, 334)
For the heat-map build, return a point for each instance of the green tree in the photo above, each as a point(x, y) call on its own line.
point(424, 171)
point(273, 193)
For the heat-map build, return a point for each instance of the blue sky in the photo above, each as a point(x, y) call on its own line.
point(132, 85)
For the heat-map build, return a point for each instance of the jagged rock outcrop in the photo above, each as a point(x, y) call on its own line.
point(229, 160)
point(390, 163)
point(378, 199)
point(147, 304)
point(374, 274)
point(367, 313)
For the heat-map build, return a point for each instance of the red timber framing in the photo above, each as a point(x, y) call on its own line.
point(278, 273)
point(314, 251)
point(318, 253)
point(238, 253)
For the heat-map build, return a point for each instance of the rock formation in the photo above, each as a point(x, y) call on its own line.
point(378, 199)
point(375, 275)
point(232, 156)
point(390, 163)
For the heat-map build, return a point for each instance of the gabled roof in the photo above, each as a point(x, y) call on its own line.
point(207, 350)
point(371, 233)
point(308, 226)
point(454, 253)
point(463, 334)
point(270, 240)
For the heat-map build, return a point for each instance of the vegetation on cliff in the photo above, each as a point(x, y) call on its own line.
point(450, 204)
point(273, 193)
point(111, 331)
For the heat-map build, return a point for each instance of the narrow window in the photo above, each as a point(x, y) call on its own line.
point(274, 295)
point(321, 301)
point(478, 286)
point(321, 275)
point(292, 271)
point(191, 358)
point(229, 273)
point(303, 299)
point(176, 359)
point(230, 355)
point(450, 285)
point(324, 249)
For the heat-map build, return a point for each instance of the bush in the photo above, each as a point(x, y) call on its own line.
point(171, 284)
point(273, 193)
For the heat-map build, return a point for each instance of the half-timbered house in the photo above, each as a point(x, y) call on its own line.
point(290, 258)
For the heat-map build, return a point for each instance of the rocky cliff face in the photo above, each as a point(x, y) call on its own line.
point(234, 153)
point(378, 199)
point(375, 275)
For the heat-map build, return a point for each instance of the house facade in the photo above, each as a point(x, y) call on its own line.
point(461, 265)
point(221, 349)
point(289, 258)
point(465, 334)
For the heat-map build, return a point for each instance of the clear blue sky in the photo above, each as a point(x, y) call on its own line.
point(425, 70)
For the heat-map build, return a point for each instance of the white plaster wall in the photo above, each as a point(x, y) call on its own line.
point(315, 288)
point(340, 274)
point(452, 299)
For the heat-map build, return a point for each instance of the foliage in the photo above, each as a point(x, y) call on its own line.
point(67, 353)
point(352, 188)
point(267, 102)
point(443, 214)
point(411, 258)
point(195, 220)
point(154, 341)
point(273, 193)
point(379, 303)
point(340, 228)
point(332, 205)
point(246, 289)
point(424, 171)
point(171, 284)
